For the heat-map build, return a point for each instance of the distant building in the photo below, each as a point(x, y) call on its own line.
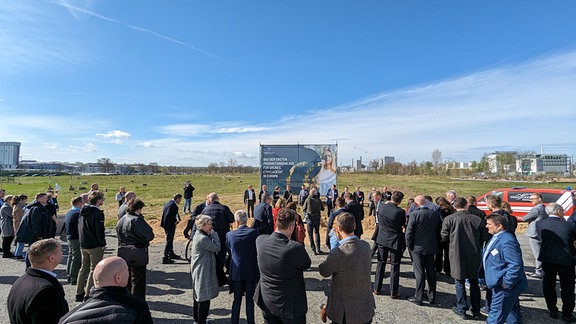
point(544, 163)
point(458, 165)
point(388, 160)
point(9, 155)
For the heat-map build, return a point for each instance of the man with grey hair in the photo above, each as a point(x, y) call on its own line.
point(451, 196)
point(557, 254)
point(535, 215)
point(244, 274)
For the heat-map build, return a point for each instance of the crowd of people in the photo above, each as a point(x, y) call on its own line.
point(263, 261)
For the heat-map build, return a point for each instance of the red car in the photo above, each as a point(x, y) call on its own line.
point(519, 199)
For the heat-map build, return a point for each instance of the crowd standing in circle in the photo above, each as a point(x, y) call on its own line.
point(265, 260)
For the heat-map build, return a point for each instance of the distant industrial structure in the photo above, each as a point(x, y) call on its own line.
point(510, 162)
point(9, 155)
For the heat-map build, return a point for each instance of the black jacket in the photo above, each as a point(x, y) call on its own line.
point(221, 215)
point(170, 214)
point(36, 297)
point(133, 230)
point(391, 221)
point(91, 227)
point(557, 236)
point(189, 191)
point(354, 208)
point(110, 305)
point(423, 231)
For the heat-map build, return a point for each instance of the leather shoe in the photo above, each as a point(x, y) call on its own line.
point(378, 293)
point(175, 256)
point(323, 316)
point(415, 301)
point(569, 319)
point(167, 261)
point(553, 315)
point(396, 296)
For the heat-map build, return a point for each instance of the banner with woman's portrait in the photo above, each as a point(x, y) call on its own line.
point(313, 165)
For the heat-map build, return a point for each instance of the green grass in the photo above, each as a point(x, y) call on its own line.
point(155, 190)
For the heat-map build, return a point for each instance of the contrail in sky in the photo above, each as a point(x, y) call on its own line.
point(134, 27)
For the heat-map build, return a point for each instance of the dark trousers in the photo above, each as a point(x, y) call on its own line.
point(371, 208)
point(461, 302)
point(344, 321)
point(395, 257)
point(250, 208)
point(567, 276)
point(505, 306)
point(240, 288)
point(314, 226)
point(137, 281)
point(6, 241)
point(442, 258)
point(169, 248)
point(201, 310)
point(273, 319)
point(221, 255)
point(424, 269)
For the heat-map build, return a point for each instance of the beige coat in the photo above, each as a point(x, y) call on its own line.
point(17, 214)
point(351, 289)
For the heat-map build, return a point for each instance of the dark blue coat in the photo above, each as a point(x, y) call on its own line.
point(241, 245)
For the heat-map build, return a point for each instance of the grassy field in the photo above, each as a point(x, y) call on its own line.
point(157, 190)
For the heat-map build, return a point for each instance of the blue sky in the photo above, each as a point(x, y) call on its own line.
point(185, 82)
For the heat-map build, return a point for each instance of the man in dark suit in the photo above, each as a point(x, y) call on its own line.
point(170, 218)
point(249, 200)
point(350, 262)
point(473, 207)
point(263, 220)
point(422, 237)
point(38, 296)
point(331, 196)
point(359, 196)
point(241, 245)
point(465, 233)
point(504, 268)
point(390, 240)
point(280, 292)
point(263, 191)
point(288, 194)
point(354, 208)
point(558, 255)
point(534, 215)
point(312, 208)
point(222, 217)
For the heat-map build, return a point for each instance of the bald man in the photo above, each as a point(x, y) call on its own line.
point(109, 301)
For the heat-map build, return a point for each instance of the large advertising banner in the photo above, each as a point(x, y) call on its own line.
point(311, 165)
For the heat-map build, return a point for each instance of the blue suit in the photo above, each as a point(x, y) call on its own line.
point(331, 196)
point(504, 268)
point(244, 273)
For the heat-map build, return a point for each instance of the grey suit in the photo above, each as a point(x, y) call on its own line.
point(350, 262)
point(534, 215)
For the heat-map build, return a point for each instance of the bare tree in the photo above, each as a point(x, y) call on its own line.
point(437, 160)
point(105, 164)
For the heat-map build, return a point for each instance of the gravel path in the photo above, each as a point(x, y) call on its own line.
point(170, 299)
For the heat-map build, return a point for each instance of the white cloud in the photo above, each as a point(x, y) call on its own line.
point(115, 136)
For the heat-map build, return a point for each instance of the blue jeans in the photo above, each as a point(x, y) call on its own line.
point(239, 288)
point(19, 249)
point(505, 306)
point(187, 203)
point(461, 302)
